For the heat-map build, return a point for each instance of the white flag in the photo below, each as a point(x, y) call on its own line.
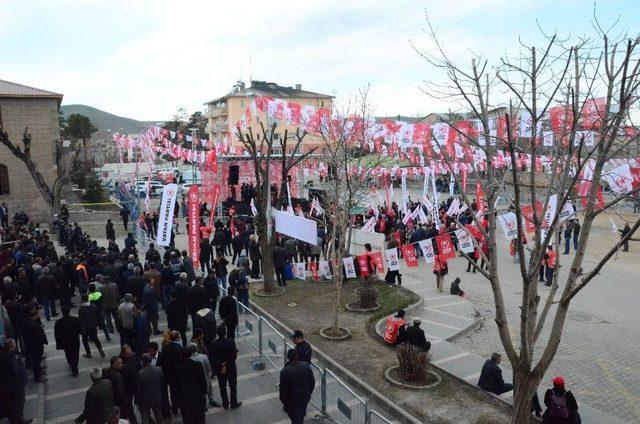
point(550, 213)
point(299, 271)
point(370, 225)
point(421, 215)
point(465, 241)
point(319, 209)
point(165, 220)
point(453, 207)
point(254, 211)
point(509, 225)
point(427, 250)
point(620, 179)
point(349, 267)
point(393, 264)
point(614, 227)
point(325, 271)
point(568, 212)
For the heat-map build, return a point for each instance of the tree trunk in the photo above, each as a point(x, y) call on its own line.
point(525, 387)
point(266, 249)
point(337, 278)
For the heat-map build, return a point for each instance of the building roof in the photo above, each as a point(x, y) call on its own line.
point(12, 89)
point(404, 118)
point(271, 89)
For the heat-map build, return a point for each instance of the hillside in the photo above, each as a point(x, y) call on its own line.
point(106, 121)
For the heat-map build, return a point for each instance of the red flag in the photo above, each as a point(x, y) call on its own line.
point(378, 260)
point(446, 249)
point(363, 265)
point(593, 113)
point(527, 212)
point(212, 161)
point(480, 201)
point(193, 206)
point(409, 255)
point(313, 267)
point(561, 119)
point(397, 237)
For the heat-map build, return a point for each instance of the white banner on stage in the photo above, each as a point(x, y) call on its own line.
point(165, 220)
point(296, 227)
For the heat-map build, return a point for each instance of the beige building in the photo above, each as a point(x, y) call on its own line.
point(23, 106)
point(225, 111)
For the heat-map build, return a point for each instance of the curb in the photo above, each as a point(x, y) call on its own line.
point(386, 404)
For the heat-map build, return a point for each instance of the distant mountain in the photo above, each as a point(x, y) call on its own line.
point(106, 122)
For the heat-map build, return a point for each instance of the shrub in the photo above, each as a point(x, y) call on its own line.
point(414, 363)
point(367, 297)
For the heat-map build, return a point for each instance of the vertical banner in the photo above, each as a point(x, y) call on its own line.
point(193, 207)
point(165, 220)
point(349, 268)
point(409, 255)
point(363, 265)
point(405, 194)
point(465, 241)
point(550, 213)
point(427, 250)
point(378, 261)
point(392, 259)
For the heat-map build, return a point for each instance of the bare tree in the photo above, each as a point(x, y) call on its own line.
point(260, 148)
point(567, 77)
point(50, 193)
point(347, 139)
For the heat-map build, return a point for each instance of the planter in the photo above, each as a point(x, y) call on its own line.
point(345, 333)
point(355, 307)
point(278, 291)
point(392, 375)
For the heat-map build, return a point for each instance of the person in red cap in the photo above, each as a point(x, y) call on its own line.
point(562, 407)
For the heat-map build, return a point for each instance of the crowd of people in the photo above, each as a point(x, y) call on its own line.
point(121, 293)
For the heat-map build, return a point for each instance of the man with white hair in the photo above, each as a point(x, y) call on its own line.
point(98, 401)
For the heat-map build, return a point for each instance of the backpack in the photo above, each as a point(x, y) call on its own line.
point(234, 277)
point(558, 406)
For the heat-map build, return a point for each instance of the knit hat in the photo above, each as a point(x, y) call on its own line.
point(558, 381)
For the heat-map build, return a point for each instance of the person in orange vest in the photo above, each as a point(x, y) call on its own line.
point(550, 260)
point(395, 330)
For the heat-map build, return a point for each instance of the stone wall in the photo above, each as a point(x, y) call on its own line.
point(41, 116)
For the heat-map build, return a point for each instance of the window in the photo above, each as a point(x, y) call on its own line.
point(4, 180)
point(241, 103)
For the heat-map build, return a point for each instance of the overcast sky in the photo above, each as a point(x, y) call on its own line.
point(144, 59)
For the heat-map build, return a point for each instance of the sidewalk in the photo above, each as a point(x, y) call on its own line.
point(444, 318)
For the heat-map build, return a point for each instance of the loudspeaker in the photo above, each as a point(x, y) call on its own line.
point(234, 171)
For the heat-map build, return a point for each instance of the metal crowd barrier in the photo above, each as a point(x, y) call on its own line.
point(333, 400)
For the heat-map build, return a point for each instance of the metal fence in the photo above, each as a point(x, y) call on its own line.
point(333, 400)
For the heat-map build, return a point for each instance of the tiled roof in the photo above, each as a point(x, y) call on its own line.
point(271, 89)
point(12, 89)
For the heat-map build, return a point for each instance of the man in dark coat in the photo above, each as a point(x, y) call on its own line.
point(130, 368)
point(98, 400)
point(491, 376)
point(177, 318)
point(34, 340)
point(280, 257)
point(169, 360)
point(193, 388)
point(222, 356)
point(88, 315)
point(229, 312)
point(415, 336)
point(296, 387)
point(303, 348)
point(114, 375)
point(196, 299)
point(149, 395)
point(67, 335)
point(47, 291)
point(13, 380)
